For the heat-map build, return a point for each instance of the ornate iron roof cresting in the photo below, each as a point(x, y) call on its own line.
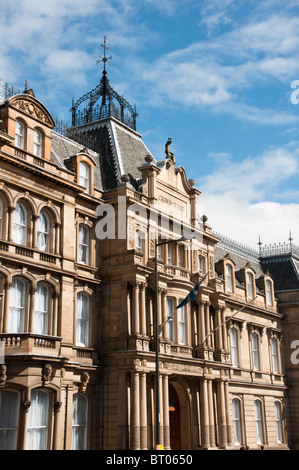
point(111, 104)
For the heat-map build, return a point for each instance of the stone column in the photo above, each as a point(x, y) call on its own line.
point(201, 331)
point(166, 412)
point(29, 322)
point(211, 413)
point(10, 223)
point(7, 287)
point(164, 312)
point(219, 344)
point(205, 431)
point(230, 442)
point(57, 406)
point(135, 313)
point(221, 414)
point(135, 412)
point(34, 234)
point(143, 412)
point(57, 238)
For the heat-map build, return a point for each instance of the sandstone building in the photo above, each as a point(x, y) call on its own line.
point(81, 213)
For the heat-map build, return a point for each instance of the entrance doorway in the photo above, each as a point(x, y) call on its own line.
point(174, 419)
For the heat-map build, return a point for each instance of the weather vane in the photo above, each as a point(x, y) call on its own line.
point(104, 59)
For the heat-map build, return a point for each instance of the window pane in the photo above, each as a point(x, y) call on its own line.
point(1, 218)
point(236, 421)
point(42, 232)
point(277, 407)
point(19, 140)
point(82, 319)
point(274, 354)
point(182, 327)
point(83, 245)
point(16, 307)
point(234, 347)
point(255, 352)
point(249, 286)
point(41, 310)
point(229, 282)
point(258, 420)
point(269, 292)
point(38, 416)
point(9, 412)
point(37, 148)
point(84, 175)
point(19, 225)
point(170, 309)
point(79, 426)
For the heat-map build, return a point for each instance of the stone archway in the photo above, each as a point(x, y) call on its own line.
point(179, 417)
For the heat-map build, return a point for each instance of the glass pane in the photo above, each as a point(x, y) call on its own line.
point(37, 427)
point(19, 225)
point(41, 310)
point(79, 422)
point(9, 411)
point(16, 307)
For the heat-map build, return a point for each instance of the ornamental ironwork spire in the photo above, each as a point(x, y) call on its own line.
point(111, 104)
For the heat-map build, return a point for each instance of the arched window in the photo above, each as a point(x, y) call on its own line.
point(20, 225)
point(9, 414)
point(229, 277)
point(43, 232)
point(278, 421)
point(259, 421)
point(38, 421)
point(16, 318)
point(41, 310)
point(237, 421)
point(82, 319)
point(38, 143)
point(255, 351)
point(84, 177)
point(234, 347)
point(83, 244)
point(20, 134)
point(79, 422)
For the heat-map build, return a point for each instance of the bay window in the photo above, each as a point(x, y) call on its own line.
point(41, 310)
point(84, 178)
point(9, 417)
point(79, 422)
point(16, 318)
point(38, 421)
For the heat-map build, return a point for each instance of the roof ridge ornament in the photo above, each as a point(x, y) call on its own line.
point(122, 110)
point(104, 59)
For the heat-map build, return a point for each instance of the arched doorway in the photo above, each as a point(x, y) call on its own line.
point(174, 419)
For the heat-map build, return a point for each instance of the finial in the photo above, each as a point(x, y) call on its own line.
point(26, 86)
point(260, 244)
point(104, 59)
point(290, 239)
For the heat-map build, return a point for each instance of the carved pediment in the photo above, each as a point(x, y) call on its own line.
point(29, 105)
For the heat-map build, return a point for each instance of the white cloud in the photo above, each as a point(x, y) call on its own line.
point(243, 200)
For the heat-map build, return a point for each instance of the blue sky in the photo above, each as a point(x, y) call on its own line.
point(214, 75)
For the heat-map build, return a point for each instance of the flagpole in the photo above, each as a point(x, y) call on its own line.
point(157, 342)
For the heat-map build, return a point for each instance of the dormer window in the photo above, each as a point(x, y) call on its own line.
point(38, 143)
point(84, 176)
point(269, 293)
point(229, 277)
point(20, 134)
point(249, 285)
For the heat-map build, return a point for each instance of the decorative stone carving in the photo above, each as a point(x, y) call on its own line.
point(3, 376)
point(46, 373)
point(32, 109)
point(84, 381)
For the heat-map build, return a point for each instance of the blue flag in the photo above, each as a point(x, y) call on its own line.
point(192, 294)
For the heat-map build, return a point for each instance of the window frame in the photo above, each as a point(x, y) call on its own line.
point(259, 421)
point(84, 399)
point(278, 421)
point(234, 347)
point(46, 234)
point(237, 421)
point(269, 293)
point(229, 277)
point(256, 363)
point(45, 313)
point(23, 307)
point(15, 428)
point(37, 427)
point(19, 224)
point(86, 246)
point(38, 145)
point(250, 288)
point(20, 136)
point(80, 320)
point(84, 180)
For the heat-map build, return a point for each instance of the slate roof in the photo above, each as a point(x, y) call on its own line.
point(284, 270)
